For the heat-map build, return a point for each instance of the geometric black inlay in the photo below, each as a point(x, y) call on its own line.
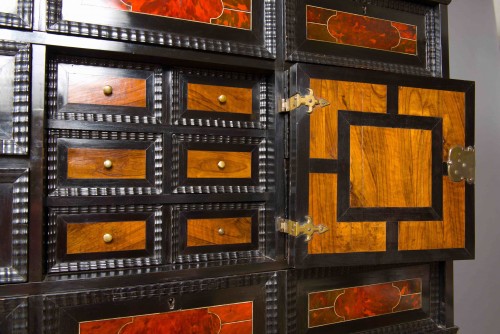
point(346, 119)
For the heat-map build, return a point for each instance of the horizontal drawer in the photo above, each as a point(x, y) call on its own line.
point(218, 164)
point(116, 236)
point(221, 99)
point(219, 231)
point(124, 92)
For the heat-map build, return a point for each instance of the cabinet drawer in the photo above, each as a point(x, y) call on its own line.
point(117, 235)
point(218, 164)
point(397, 36)
point(116, 92)
point(221, 99)
point(113, 163)
point(237, 304)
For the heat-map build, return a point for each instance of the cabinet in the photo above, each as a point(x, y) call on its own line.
point(298, 166)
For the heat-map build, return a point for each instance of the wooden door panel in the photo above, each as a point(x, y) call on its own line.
point(371, 167)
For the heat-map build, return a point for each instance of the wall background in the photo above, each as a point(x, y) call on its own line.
point(475, 55)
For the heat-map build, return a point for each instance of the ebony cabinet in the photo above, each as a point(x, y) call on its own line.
point(234, 166)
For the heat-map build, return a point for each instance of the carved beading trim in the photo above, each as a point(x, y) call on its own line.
point(21, 19)
point(14, 315)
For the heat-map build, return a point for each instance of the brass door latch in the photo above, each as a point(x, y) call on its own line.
point(296, 229)
point(462, 164)
point(298, 100)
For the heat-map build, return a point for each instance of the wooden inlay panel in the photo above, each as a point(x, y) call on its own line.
point(341, 237)
point(205, 98)
point(339, 27)
point(448, 233)
point(340, 305)
point(88, 89)
point(342, 95)
point(88, 237)
point(207, 232)
point(448, 105)
point(229, 13)
point(88, 163)
point(205, 164)
point(390, 167)
point(224, 319)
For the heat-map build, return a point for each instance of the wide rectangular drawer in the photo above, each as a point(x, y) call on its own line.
point(236, 304)
point(81, 239)
point(112, 91)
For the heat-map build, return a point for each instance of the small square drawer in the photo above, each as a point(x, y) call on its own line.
point(205, 164)
point(80, 239)
point(111, 92)
point(221, 99)
point(107, 165)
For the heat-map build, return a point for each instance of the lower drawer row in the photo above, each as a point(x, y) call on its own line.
point(110, 237)
point(401, 299)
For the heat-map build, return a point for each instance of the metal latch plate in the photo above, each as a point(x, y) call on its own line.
point(462, 164)
point(296, 229)
point(308, 100)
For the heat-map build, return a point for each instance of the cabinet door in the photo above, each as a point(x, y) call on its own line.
point(372, 168)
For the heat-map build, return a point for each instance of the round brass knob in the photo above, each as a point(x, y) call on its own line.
point(222, 98)
point(221, 164)
point(107, 90)
point(107, 238)
point(108, 164)
point(221, 231)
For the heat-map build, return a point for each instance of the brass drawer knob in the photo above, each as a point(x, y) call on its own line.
point(107, 90)
point(222, 98)
point(221, 164)
point(107, 238)
point(221, 231)
point(108, 164)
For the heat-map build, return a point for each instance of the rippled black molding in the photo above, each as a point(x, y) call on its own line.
point(14, 315)
point(20, 18)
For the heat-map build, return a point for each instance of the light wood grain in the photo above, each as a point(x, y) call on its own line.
point(88, 163)
point(342, 95)
point(448, 105)
point(349, 237)
point(205, 98)
point(205, 232)
point(449, 233)
point(88, 89)
point(204, 164)
point(88, 237)
point(390, 167)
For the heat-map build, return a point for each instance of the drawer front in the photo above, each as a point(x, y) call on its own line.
point(116, 92)
point(106, 165)
point(218, 164)
point(245, 304)
point(219, 99)
point(390, 36)
point(14, 225)
point(16, 13)
point(229, 26)
point(116, 235)
point(15, 64)
point(218, 231)
point(361, 299)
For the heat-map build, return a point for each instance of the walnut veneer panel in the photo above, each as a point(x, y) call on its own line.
point(448, 233)
point(205, 232)
point(341, 237)
point(88, 89)
point(342, 95)
point(88, 237)
point(206, 98)
point(205, 164)
point(390, 167)
point(437, 103)
point(88, 163)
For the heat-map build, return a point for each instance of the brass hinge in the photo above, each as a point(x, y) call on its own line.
point(296, 229)
point(462, 164)
point(298, 100)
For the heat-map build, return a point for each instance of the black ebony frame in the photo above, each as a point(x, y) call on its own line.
point(345, 213)
point(143, 28)
point(21, 19)
point(300, 167)
point(426, 15)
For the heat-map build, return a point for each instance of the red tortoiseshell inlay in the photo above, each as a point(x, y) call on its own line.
point(338, 27)
point(340, 305)
point(224, 319)
point(229, 13)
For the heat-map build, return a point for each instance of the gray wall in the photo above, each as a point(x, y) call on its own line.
point(475, 55)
